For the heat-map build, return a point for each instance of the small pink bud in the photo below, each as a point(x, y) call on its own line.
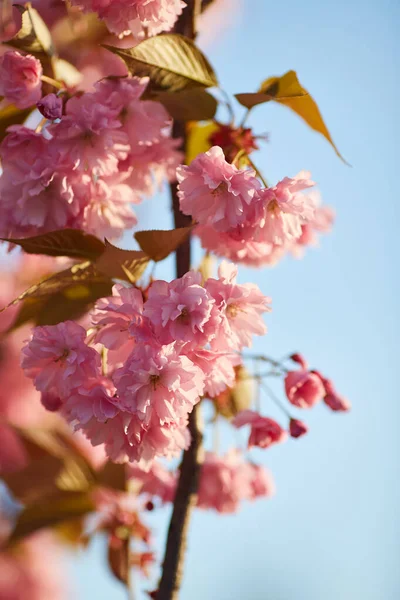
point(51, 401)
point(299, 359)
point(337, 403)
point(50, 106)
point(297, 428)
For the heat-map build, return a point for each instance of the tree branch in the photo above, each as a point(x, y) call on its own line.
point(186, 493)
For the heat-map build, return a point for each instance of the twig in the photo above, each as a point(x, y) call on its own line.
point(186, 494)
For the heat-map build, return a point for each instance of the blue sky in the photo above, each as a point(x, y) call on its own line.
point(332, 531)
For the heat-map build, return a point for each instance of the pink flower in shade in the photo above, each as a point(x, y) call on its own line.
point(20, 79)
point(182, 310)
point(304, 388)
point(33, 196)
point(107, 208)
point(214, 192)
point(332, 399)
point(93, 399)
point(286, 209)
point(264, 431)
point(57, 358)
point(157, 481)
point(218, 369)
point(240, 306)
point(157, 381)
point(90, 136)
point(120, 320)
point(123, 17)
point(34, 570)
point(227, 480)
point(51, 107)
point(236, 246)
point(297, 428)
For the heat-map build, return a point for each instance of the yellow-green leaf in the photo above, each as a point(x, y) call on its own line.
point(172, 61)
point(34, 35)
point(63, 242)
point(198, 138)
point(51, 511)
point(65, 72)
point(188, 105)
point(158, 244)
point(287, 90)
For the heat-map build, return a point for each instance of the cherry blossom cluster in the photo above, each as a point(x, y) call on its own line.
point(131, 383)
point(85, 170)
point(137, 17)
point(225, 482)
point(244, 222)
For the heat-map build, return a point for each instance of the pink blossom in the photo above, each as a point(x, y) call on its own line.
point(299, 359)
point(157, 380)
point(304, 388)
point(20, 79)
point(90, 136)
point(214, 192)
point(297, 428)
point(56, 357)
point(120, 320)
point(157, 481)
point(218, 369)
point(241, 307)
point(332, 399)
point(236, 246)
point(227, 480)
point(286, 209)
point(132, 16)
point(93, 399)
point(182, 310)
point(51, 107)
point(264, 431)
point(33, 196)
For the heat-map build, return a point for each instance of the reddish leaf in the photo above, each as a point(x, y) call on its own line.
point(63, 242)
point(158, 244)
point(122, 264)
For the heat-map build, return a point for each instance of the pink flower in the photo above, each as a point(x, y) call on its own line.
point(51, 107)
point(157, 381)
point(93, 399)
point(158, 481)
point(286, 209)
point(120, 320)
point(264, 431)
point(182, 310)
point(35, 193)
point(57, 358)
point(304, 388)
point(236, 246)
point(20, 79)
point(214, 192)
point(227, 480)
point(332, 399)
point(123, 17)
point(297, 428)
point(90, 136)
point(218, 369)
point(241, 307)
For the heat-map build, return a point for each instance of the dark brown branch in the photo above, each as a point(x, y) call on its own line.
point(186, 493)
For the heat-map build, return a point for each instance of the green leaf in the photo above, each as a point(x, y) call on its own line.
point(198, 138)
point(188, 105)
point(158, 244)
point(34, 35)
point(122, 264)
point(172, 61)
point(51, 511)
point(66, 72)
point(63, 242)
point(287, 90)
